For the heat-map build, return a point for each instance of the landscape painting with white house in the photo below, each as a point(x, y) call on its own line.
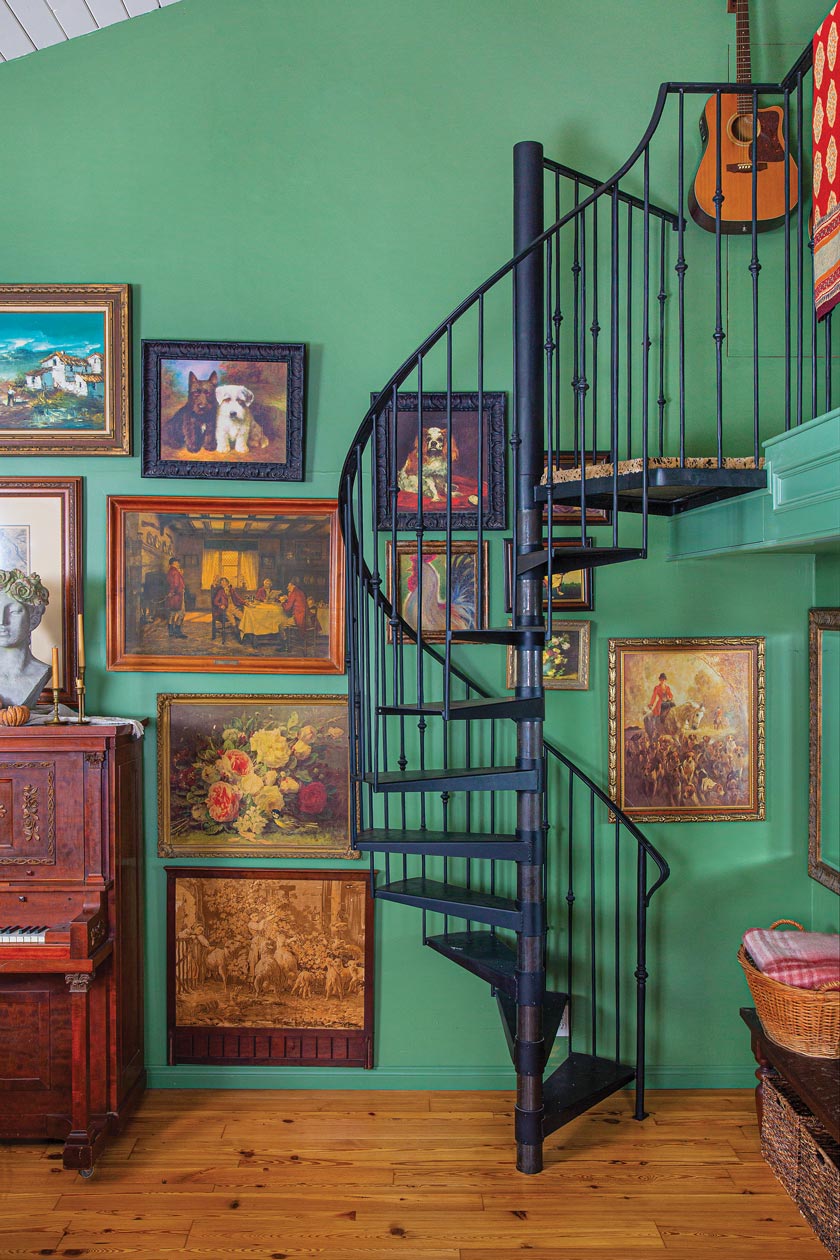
point(52, 370)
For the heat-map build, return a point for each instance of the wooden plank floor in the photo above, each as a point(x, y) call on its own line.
point(420, 1176)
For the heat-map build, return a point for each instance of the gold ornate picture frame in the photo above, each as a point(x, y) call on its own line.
point(686, 729)
point(65, 375)
point(823, 743)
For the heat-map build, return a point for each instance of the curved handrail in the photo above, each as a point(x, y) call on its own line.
point(665, 90)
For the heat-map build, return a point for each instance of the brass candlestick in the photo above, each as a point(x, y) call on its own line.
point(81, 720)
point(55, 720)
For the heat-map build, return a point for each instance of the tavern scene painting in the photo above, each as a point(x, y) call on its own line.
point(256, 952)
point(249, 585)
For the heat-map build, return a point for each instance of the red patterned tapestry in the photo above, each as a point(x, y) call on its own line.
point(826, 177)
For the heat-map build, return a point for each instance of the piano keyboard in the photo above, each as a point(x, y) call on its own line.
point(22, 935)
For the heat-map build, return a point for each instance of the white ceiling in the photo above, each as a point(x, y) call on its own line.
point(27, 25)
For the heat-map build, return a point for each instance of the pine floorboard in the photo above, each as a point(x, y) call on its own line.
point(368, 1175)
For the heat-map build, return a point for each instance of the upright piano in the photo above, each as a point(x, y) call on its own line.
point(71, 934)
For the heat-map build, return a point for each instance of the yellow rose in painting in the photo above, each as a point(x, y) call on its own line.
point(271, 748)
point(269, 798)
point(269, 777)
point(289, 785)
point(335, 732)
point(307, 734)
point(251, 783)
point(302, 750)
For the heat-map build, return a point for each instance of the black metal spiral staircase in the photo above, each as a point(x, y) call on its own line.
point(477, 817)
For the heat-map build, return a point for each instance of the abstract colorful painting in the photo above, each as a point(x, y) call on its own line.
point(686, 737)
point(434, 594)
point(270, 966)
point(247, 776)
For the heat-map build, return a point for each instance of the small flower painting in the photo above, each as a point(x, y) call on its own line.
point(247, 775)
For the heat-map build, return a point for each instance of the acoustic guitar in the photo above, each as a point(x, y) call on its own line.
point(739, 151)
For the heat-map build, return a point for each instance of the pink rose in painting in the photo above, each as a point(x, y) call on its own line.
point(312, 798)
point(223, 802)
point(236, 762)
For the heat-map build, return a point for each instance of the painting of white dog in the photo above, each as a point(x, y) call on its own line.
point(223, 410)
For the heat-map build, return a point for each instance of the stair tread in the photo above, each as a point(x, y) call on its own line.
point(497, 634)
point(437, 890)
point(484, 947)
point(580, 1082)
point(484, 777)
point(512, 706)
point(394, 835)
point(578, 557)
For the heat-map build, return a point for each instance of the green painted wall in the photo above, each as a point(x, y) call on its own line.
point(340, 175)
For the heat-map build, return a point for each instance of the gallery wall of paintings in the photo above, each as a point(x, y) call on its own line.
point(290, 264)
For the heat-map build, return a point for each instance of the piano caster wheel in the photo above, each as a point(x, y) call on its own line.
point(86, 1172)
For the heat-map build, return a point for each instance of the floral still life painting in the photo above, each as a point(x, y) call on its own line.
point(223, 409)
point(270, 966)
point(565, 658)
point(64, 369)
point(435, 594)
point(686, 728)
point(245, 776)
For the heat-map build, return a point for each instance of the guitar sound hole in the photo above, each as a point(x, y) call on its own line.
point(741, 128)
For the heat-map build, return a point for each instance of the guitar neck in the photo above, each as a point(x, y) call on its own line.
point(743, 60)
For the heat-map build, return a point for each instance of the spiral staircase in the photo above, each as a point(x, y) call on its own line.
point(468, 812)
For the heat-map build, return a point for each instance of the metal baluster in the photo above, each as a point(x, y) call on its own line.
point(681, 267)
point(662, 298)
point(719, 334)
point(814, 355)
point(617, 940)
point(800, 262)
point(786, 133)
point(595, 327)
point(613, 365)
point(580, 437)
point(645, 345)
point(593, 926)
point(480, 575)
point(548, 348)
point(421, 530)
point(828, 365)
point(570, 900)
point(557, 319)
point(641, 979)
point(447, 680)
point(754, 269)
point(629, 331)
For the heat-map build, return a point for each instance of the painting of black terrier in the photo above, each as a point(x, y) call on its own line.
point(193, 426)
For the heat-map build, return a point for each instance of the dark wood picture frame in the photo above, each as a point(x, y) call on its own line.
point(63, 572)
point(705, 721)
point(230, 971)
point(582, 602)
point(821, 621)
point(262, 427)
point(434, 407)
point(567, 513)
point(152, 530)
point(109, 378)
point(263, 752)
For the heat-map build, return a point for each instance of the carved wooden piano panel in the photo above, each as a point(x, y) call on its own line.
point(71, 933)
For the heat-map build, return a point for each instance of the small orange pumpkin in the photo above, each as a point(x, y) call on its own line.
point(15, 715)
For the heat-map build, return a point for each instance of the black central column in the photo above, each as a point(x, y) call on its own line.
point(528, 611)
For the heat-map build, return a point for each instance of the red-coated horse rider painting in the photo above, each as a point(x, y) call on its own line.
point(687, 728)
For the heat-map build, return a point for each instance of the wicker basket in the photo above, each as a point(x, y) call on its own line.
point(782, 1116)
point(804, 1020)
point(818, 1184)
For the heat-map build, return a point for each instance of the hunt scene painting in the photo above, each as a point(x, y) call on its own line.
point(225, 585)
point(248, 776)
point(230, 410)
point(266, 952)
point(432, 593)
point(430, 447)
point(687, 728)
point(64, 379)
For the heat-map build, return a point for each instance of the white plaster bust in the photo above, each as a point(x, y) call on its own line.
point(23, 602)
